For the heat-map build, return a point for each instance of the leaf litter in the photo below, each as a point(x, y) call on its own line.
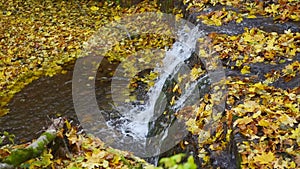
point(38, 38)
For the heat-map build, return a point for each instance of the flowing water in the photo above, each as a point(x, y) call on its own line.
point(140, 116)
point(137, 121)
point(52, 96)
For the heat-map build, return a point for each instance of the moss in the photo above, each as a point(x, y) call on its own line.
point(18, 156)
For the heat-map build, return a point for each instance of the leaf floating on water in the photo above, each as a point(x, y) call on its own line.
point(245, 70)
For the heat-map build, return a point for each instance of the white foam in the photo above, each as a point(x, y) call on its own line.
point(139, 116)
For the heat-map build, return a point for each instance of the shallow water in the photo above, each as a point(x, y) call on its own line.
point(32, 108)
point(46, 98)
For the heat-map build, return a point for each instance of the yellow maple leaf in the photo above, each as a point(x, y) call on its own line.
point(287, 120)
point(296, 134)
point(239, 20)
point(192, 126)
point(196, 72)
point(273, 9)
point(172, 102)
point(265, 158)
point(244, 120)
point(245, 70)
point(251, 16)
point(94, 8)
point(176, 87)
point(8, 13)
point(264, 123)
point(117, 18)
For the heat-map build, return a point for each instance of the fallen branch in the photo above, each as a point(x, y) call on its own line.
point(19, 156)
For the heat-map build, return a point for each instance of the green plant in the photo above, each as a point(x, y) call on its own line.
point(1, 139)
point(10, 137)
point(174, 162)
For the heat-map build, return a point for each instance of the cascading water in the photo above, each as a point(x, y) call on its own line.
point(135, 120)
point(147, 126)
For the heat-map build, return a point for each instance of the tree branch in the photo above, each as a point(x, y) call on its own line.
point(19, 156)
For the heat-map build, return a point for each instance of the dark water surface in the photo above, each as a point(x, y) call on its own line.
point(49, 97)
point(32, 108)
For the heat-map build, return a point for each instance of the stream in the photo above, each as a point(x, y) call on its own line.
point(150, 127)
point(49, 97)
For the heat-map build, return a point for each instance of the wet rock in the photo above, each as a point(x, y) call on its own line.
point(232, 28)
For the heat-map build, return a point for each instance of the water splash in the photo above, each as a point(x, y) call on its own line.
point(136, 119)
point(130, 125)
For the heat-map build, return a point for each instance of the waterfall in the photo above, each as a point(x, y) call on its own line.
point(135, 119)
point(148, 125)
